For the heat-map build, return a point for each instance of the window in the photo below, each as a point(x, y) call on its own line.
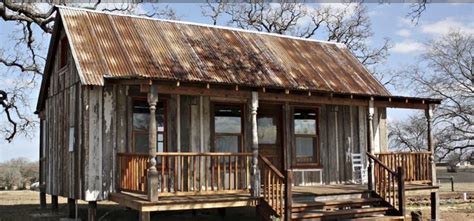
point(306, 151)
point(63, 52)
point(141, 116)
point(267, 130)
point(227, 128)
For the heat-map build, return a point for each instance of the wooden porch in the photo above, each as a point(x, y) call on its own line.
point(220, 180)
point(140, 202)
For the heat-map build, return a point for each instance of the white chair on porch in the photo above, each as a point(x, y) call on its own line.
point(359, 172)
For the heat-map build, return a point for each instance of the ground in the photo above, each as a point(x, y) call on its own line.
point(24, 205)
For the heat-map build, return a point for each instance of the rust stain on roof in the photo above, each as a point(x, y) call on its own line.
point(108, 45)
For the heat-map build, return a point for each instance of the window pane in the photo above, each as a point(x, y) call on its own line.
point(160, 137)
point(227, 144)
point(141, 115)
point(227, 119)
point(141, 143)
point(140, 121)
point(305, 150)
point(159, 147)
point(305, 121)
point(267, 130)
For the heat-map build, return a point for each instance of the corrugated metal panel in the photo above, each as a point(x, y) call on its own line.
point(117, 46)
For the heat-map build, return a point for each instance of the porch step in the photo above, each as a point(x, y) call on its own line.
point(341, 214)
point(311, 198)
point(335, 204)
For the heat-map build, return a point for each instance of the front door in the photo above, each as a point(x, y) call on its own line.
point(269, 126)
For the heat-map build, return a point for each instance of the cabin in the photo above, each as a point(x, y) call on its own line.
point(294, 127)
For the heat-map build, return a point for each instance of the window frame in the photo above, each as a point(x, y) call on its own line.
point(242, 125)
point(316, 146)
point(165, 124)
point(63, 53)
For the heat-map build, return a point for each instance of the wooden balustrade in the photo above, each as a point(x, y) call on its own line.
point(388, 184)
point(273, 186)
point(417, 165)
point(188, 173)
point(132, 169)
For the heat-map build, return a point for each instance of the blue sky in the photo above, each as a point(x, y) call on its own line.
point(388, 21)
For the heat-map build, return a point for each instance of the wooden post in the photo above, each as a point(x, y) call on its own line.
point(143, 216)
point(434, 195)
point(71, 205)
point(255, 170)
point(288, 195)
point(370, 143)
point(92, 211)
point(54, 202)
point(401, 191)
point(431, 147)
point(42, 199)
point(152, 173)
point(41, 160)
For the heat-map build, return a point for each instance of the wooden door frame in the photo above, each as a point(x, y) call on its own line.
point(282, 130)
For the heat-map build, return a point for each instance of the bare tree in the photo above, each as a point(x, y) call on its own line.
point(349, 24)
point(416, 9)
point(18, 172)
point(448, 74)
point(22, 59)
point(408, 135)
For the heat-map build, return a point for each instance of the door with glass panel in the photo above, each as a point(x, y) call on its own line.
point(269, 127)
point(141, 120)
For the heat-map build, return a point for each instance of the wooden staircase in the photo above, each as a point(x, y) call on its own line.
point(385, 202)
point(341, 207)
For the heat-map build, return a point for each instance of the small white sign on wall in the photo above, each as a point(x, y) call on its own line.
point(71, 139)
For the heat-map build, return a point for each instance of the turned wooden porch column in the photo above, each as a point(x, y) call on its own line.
point(152, 173)
point(431, 149)
point(370, 143)
point(255, 171)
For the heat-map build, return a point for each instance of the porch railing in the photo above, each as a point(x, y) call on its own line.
point(389, 184)
point(273, 186)
point(417, 165)
point(182, 173)
point(132, 169)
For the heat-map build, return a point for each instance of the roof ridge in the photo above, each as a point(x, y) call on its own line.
point(338, 44)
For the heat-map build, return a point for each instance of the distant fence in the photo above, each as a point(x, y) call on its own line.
point(451, 179)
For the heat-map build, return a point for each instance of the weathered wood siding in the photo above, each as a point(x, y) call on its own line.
point(343, 130)
point(61, 167)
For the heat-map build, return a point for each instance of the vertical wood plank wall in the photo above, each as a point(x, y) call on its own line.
point(62, 138)
point(343, 130)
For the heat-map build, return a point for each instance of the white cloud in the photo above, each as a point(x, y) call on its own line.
point(347, 8)
point(404, 33)
point(405, 22)
point(446, 25)
point(408, 46)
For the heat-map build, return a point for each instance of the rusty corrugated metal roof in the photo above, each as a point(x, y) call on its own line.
point(107, 45)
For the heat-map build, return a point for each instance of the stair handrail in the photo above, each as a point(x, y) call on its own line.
point(273, 186)
point(388, 184)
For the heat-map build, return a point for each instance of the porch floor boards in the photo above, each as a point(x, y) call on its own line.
point(341, 189)
point(167, 203)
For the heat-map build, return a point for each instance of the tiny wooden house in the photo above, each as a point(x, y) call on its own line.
point(236, 112)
